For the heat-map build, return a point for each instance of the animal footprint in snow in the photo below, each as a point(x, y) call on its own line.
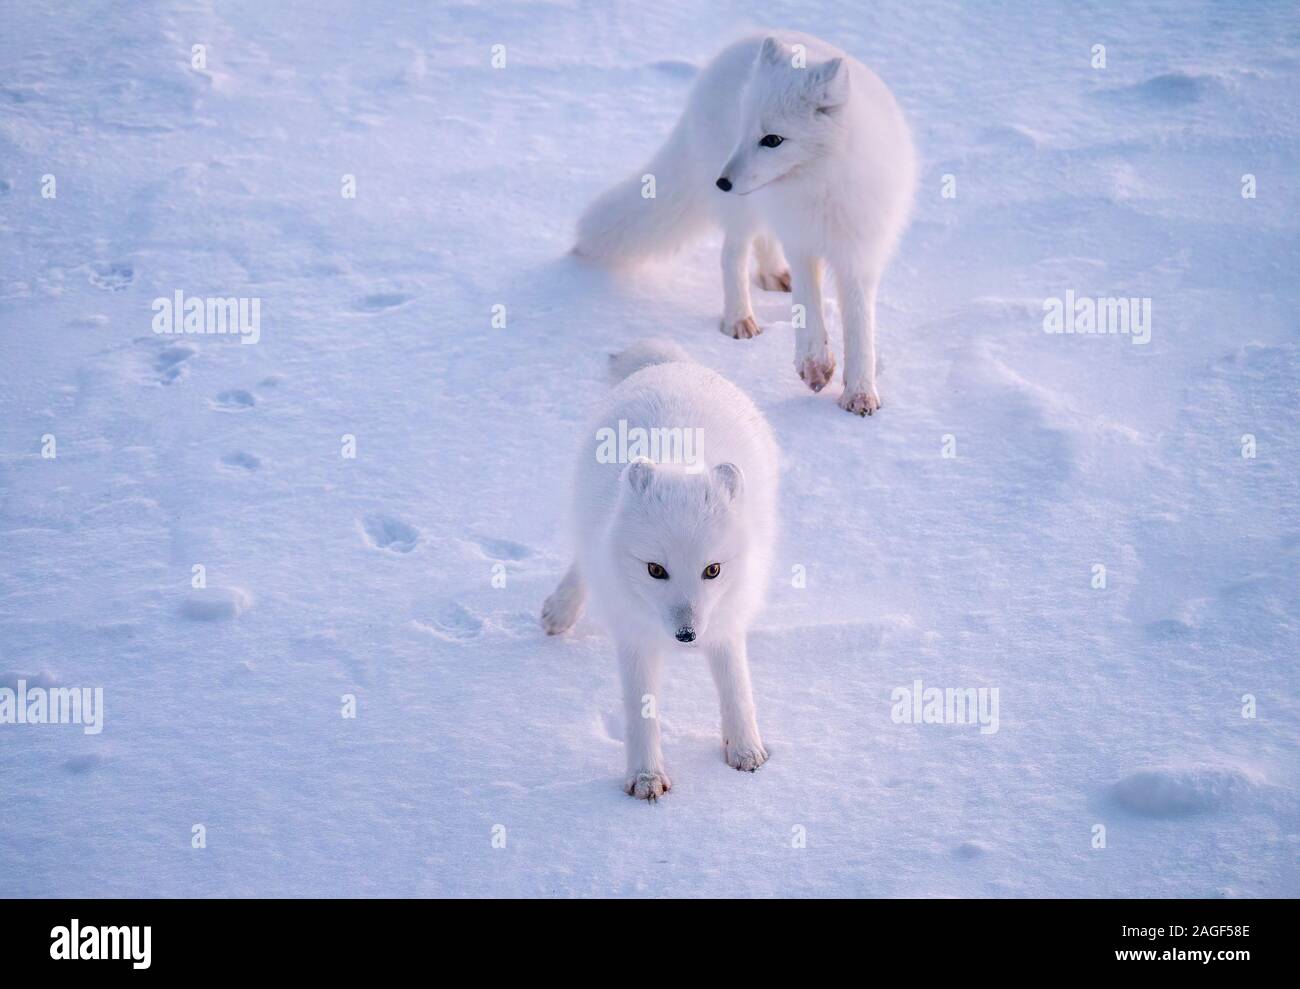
point(112, 276)
point(82, 764)
point(1170, 791)
point(676, 68)
point(502, 549)
point(381, 301)
point(234, 400)
point(43, 679)
point(171, 362)
point(216, 604)
point(386, 532)
point(241, 461)
point(453, 622)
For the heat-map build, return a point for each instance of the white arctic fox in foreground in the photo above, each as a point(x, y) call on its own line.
point(787, 143)
point(673, 550)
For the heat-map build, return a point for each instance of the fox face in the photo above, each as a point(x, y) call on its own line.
point(679, 544)
point(788, 117)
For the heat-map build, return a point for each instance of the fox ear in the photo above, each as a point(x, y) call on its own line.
point(729, 480)
point(829, 84)
point(774, 52)
point(638, 474)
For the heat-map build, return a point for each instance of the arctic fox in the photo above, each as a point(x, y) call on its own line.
point(800, 150)
point(673, 551)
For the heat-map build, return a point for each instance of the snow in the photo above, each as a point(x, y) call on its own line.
point(374, 576)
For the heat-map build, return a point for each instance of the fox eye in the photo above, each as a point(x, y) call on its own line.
point(656, 571)
point(711, 571)
point(771, 140)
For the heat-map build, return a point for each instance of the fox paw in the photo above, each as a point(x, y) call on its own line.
point(741, 329)
point(745, 756)
point(648, 785)
point(774, 281)
point(863, 402)
point(559, 612)
point(817, 372)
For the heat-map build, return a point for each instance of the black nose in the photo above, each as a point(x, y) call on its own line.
point(686, 634)
point(724, 184)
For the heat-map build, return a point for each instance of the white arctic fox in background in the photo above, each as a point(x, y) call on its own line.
point(786, 142)
point(674, 557)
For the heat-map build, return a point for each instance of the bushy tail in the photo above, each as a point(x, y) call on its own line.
point(625, 225)
point(644, 353)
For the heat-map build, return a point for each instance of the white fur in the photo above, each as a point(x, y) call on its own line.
point(719, 509)
point(836, 193)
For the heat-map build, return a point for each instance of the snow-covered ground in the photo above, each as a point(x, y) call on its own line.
point(374, 576)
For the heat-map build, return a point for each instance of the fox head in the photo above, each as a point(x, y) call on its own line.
point(679, 544)
point(789, 117)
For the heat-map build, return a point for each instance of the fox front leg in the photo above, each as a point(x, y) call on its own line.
point(858, 304)
point(741, 745)
point(737, 312)
point(639, 667)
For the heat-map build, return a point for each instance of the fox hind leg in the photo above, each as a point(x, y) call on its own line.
point(773, 269)
point(563, 607)
point(858, 304)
